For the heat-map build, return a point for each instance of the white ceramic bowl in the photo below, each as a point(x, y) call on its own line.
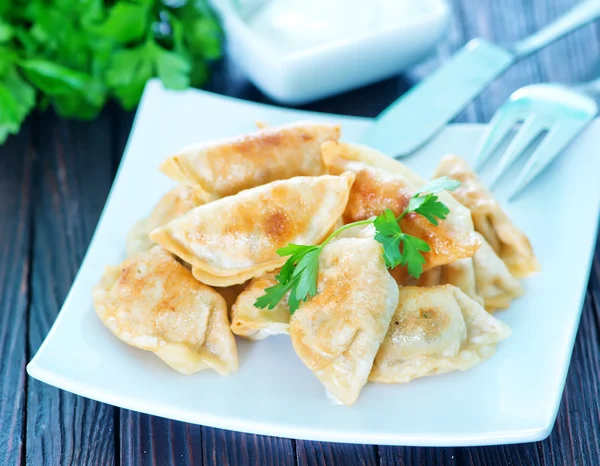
point(301, 76)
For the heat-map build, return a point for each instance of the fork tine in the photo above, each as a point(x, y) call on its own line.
point(530, 129)
point(553, 144)
point(497, 129)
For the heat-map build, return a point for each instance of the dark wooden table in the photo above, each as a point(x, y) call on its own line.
point(54, 179)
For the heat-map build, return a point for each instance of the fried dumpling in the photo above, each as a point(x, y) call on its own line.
point(222, 168)
point(460, 273)
point(495, 284)
point(510, 243)
point(433, 331)
point(152, 302)
point(230, 294)
point(248, 321)
point(233, 239)
point(483, 277)
point(381, 183)
point(176, 202)
point(337, 333)
point(253, 323)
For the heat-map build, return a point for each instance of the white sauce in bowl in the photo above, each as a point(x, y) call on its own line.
point(294, 25)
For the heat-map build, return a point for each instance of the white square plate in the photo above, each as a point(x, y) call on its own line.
point(513, 397)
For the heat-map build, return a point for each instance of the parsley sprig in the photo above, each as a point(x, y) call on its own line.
point(298, 276)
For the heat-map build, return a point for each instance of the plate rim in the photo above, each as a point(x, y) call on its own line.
point(539, 432)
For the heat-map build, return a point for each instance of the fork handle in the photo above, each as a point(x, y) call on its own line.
point(576, 17)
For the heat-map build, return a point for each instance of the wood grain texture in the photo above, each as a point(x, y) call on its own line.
point(503, 23)
point(143, 439)
point(74, 177)
point(150, 440)
point(16, 166)
point(325, 454)
point(224, 448)
point(575, 438)
point(75, 169)
point(408, 456)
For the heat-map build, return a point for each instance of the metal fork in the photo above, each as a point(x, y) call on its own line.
point(561, 111)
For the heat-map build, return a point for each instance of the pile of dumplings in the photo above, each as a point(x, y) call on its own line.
point(197, 264)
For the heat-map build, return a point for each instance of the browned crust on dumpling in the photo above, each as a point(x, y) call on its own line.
point(376, 188)
point(254, 323)
point(226, 167)
point(234, 239)
point(176, 202)
point(152, 302)
point(508, 241)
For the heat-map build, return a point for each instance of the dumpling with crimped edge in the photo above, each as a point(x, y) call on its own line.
point(233, 239)
point(231, 294)
point(176, 202)
point(221, 168)
point(253, 323)
point(483, 277)
point(460, 273)
point(495, 284)
point(435, 330)
point(337, 332)
point(510, 243)
point(382, 182)
point(152, 302)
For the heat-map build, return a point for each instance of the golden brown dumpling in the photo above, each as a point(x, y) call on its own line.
point(233, 239)
point(230, 294)
point(510, 243)
point(222, 168)
point(173, 204)
point(253, 323)
point(337, 332)
point(435, 330)
point(495, 284)
point(152, 302)
point(460, 273)
point(381, 183)
point(483, 277)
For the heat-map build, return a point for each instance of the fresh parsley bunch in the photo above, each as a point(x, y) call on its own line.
point(298, 276)
point(76, 54)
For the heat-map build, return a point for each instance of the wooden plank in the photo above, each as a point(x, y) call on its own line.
point(516, 455)
point(326, 454)
point(16, 166)
point(74, 177)
point(144, 439)
point(150, 440)
point(505, 22)
point(408, 456)
point(224, 447)
point(575, 438)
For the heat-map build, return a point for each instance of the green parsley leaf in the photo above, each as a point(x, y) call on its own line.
point(273, 295)
point(438, 185)
point(53, 79)
point(297, 252)
point(307, 269)
point(6, 31)
point(77, 54)
point(430, 207)
point(411, 254)
point(127, 75)
point(293, 301)
point(172, 69)
point(17, 98)
point(300, 272)
point(298, 276)
point(390, 237)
